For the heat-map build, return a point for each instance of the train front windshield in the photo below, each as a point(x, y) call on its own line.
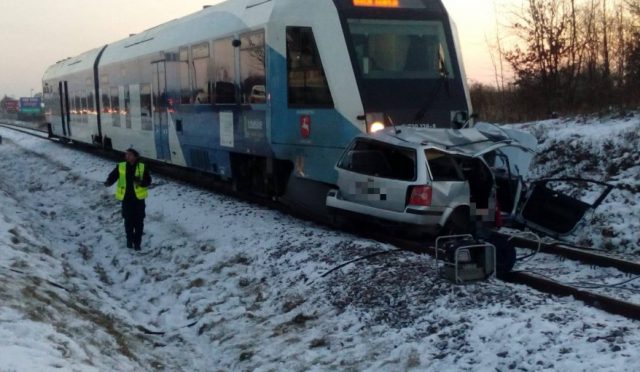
point(400, 49)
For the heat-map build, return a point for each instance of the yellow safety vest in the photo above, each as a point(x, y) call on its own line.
point(141, 192)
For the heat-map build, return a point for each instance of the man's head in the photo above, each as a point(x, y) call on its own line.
point(131, 156)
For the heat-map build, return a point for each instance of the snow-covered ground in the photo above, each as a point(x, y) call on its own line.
point(233, 286)
point(604, 149)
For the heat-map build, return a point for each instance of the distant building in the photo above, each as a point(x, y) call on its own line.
point(9, 105)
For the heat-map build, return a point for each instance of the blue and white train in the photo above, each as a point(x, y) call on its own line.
point(264, 93)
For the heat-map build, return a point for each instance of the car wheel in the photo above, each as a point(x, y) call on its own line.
point(338, 221)
point(457, 224)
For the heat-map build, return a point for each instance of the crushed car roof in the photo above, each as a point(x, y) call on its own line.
point(468, 141)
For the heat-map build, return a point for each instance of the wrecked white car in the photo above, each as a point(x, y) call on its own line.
point(446, 181)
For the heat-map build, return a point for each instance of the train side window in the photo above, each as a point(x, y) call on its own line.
point(145, 106)
point(224, 71)
point(90, 107)
point(105, 105)
point(126, 105)
point(185, 80)
point(115, 106)
point(83, 106)
point(200, 55)
point(82, 102)
point(105, 101)
point(75, 105)
point(252, 67)
point(306, 79)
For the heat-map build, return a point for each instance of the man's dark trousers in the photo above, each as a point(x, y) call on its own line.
point(133, 212)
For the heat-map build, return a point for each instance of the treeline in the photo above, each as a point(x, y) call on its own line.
point(570, 56)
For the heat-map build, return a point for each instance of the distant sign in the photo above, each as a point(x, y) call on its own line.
point(10, 105)
point(30, 105)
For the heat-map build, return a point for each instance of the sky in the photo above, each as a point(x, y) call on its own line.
point(36, 33)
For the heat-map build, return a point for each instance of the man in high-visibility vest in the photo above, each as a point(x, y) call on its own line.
point(133, 180)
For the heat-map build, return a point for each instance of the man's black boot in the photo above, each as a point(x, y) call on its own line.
point(129, 244)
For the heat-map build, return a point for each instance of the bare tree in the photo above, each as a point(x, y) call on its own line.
point(544, 27)
point(569, 55)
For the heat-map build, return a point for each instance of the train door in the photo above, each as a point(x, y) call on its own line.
point(160, 116)
point(63, 112)
point(66, 110)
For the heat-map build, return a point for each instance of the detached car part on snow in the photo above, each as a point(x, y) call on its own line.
point(446, 181)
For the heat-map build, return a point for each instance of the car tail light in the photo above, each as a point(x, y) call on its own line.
point(499, 221)
point(421, 195)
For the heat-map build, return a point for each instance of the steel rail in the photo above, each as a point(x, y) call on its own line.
point(25, 130)
point(608, 304)
point(584, 255)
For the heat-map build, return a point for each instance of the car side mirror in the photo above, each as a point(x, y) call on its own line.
point(459, 119)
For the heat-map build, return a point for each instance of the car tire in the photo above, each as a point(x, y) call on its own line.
point(337, 220)
point(457, 224)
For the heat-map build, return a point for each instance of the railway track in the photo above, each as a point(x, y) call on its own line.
point(23, 129)
point(544, 284)
point(584, 255)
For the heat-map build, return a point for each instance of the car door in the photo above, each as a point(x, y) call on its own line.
point(555, 207)
point(377, 174)
point(509, 162)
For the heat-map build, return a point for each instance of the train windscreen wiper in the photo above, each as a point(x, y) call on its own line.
point(443, 80)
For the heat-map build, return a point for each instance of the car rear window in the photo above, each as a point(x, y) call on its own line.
point(381, 160)
point(443, 166)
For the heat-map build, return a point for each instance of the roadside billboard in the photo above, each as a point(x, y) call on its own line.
point(30, 105)
point(10, 106)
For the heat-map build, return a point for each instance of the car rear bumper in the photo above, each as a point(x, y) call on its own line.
point(424, 218)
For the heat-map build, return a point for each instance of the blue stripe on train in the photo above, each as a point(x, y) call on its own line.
point(313, 157)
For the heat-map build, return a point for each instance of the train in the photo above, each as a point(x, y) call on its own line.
point(264, 94)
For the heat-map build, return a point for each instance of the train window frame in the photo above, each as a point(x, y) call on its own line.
point(224, 72)
point(76, 107)
point(375, 63)
point(253, 45)
point(114, 95)
point(305, 64)
point(84, 110)
point(185, 75)
point(146, 107)
point(199, 66)
point(91, 104)
point(105, 100)
point(126, 104)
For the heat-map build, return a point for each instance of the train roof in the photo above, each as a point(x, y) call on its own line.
point(211, 22)
point(82, 62)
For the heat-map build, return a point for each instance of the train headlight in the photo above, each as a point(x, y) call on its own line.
point(376, 127)
point(375, 122)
